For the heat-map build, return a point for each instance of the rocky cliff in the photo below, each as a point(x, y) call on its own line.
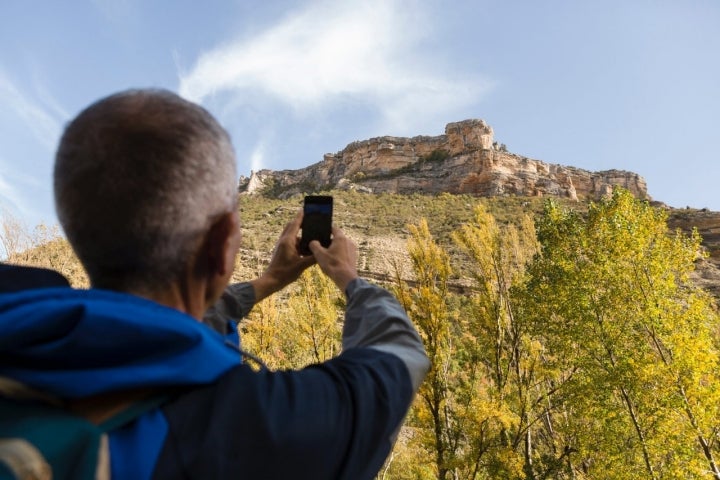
point(466, 159)
point(707, 224)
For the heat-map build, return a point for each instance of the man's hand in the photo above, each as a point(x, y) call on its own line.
point(339, 260)
point(286, 264)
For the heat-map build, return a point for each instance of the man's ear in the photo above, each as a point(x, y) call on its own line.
point(222, 242)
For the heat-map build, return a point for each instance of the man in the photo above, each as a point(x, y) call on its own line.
point(145, 191)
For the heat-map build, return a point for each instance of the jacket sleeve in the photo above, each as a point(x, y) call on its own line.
point(234, 304)
point(333, 420)
point(375, 319)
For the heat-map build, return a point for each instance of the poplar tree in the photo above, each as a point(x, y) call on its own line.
point(509, 357)
point(613, 302)
point(304, 327)
point(439, 427)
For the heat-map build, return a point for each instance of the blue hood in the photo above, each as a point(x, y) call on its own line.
point(75, 343)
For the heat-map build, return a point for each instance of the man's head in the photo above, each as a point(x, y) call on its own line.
point(141, 178)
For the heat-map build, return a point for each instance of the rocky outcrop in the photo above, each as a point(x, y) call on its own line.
point(466, 159)
point(707, 224)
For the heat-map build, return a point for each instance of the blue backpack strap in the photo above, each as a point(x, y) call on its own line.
point(133, 411)
point(70, 445)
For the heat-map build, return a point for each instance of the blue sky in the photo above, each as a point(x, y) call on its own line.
point(625, 84)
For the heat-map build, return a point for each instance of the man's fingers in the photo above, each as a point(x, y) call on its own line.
point(293, 226)
point(306, 260)
point(336, 232)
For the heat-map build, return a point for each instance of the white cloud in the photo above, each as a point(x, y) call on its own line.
point(9, 193)
point(33, 126)
point(256, 157)
point(363, 51)
point(12, 199)
point(43, 125)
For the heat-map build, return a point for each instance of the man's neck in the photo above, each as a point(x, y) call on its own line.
point(180, 297)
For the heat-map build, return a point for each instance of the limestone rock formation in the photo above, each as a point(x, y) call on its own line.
point(707, 224)
point(466, 159)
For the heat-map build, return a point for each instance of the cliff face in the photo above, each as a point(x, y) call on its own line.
point(707, 224)
point(466, 159)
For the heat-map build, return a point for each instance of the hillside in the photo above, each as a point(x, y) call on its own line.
point(378, 224)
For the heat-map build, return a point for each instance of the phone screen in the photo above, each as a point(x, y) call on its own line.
point(317, 221)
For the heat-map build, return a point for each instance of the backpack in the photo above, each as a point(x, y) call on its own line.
point(40, 439)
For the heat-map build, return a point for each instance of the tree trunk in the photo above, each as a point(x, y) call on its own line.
point(640, 433)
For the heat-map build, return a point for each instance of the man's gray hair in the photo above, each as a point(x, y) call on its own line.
point(139, 177)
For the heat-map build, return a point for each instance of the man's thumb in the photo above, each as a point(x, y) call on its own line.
point(315, 248)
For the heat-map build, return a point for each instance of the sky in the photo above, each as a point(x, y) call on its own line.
point(613, 84)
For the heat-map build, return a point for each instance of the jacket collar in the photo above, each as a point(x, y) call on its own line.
point(75, 343)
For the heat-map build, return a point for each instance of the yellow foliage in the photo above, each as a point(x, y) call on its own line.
point(42, 246)
point(304, 329)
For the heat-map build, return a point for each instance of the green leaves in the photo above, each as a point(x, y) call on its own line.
point(581, 351)
point(614, 302)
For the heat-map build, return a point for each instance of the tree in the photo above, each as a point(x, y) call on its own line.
point(513, 371)
point(473, 406)
point(317, 310)
point(14, 236)
point(612, 302)
point(42, 246)
point(262, 334)
point(426, 303)
point(305, 328)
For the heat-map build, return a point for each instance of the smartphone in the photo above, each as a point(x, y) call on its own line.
point(317, 222)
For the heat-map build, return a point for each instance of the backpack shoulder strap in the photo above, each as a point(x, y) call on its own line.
point(67, 443)
point(19, 459)
point(67, 439)
point(133, 411)
point(112, 410)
